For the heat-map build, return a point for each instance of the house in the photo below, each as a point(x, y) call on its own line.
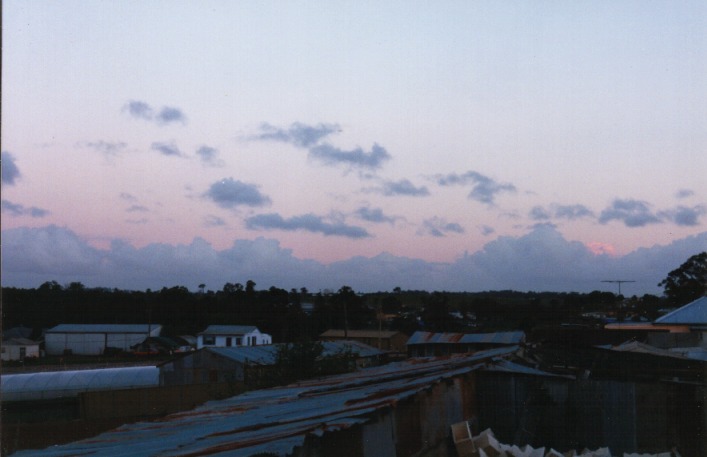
point(19, 349)
point(428, 344)
point(96, 339)
point(223, 336)
point(384, 339)
point(251, 365)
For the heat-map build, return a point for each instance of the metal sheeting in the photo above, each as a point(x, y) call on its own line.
point(466, 338)
point(277, 420)
point(694, 313)
point(63, 384)
point(229, 330)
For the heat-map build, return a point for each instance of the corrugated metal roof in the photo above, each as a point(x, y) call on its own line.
point(62, 384)
point(104, 328)
point(466, 338)
point(19, 342)
point(276, 420)
point(336, 333)
point(265, 355)
point(229, 329)
point(694, 313)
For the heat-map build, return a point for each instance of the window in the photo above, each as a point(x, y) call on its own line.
point(238, 341)
point(229, 341)
point(209, 340)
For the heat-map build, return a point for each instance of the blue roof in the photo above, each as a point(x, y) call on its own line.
point(467, 338)
point(694, 313)
point(277, 420)
point(104, 328)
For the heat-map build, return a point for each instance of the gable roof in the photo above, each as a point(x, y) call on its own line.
point(104, 328)
point(694, 313)
point(229, 329)
point(19, 342)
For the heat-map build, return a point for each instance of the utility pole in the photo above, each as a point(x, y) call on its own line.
point(618, 281)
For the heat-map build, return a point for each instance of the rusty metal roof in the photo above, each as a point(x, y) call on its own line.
point(276, 420)
point(505, 338)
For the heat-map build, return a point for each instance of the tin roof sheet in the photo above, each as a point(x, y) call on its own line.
point(505, 338)
point(694, 313)
point(275, 420)
point(229, 329)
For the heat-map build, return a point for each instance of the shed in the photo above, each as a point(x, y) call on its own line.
point(95, 339)
point(19, 349)
point(231, 336)
point(387, 340)
point(427, 344)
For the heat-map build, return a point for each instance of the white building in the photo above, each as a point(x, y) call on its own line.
point(223, 336)
point(19, 349)
point(94, 339)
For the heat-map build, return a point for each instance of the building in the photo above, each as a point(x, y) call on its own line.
point(226, 336)
point(385, 340)
point(19, 349)
point(251, 365)
point(428, 344)
point(96, 339)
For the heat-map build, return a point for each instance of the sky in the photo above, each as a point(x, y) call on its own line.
point(453, 145)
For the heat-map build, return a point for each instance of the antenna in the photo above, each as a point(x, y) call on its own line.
point(619, 282)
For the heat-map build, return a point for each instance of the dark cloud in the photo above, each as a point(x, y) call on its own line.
point(374, 215)
point(633, 213)
point(684, 193)
point(357, 158)
point(297, 134)
point(569, 212)
point(541, 260)
point(438, 227)
point(306, 222)
point(209, 156)
point(214, 221)
point(169, 114)
point(684, 216)
point(10, 172)
point(229, 193)
point(15, 209)
point(137, 209)
point(487, 230)
point(403, 187)
point(138, 109)
point(111, 148)
point(167, 149)
point(128, 197)
point(484, 189)
point(538, 213)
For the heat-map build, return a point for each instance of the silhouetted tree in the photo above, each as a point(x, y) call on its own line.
point(688, 282)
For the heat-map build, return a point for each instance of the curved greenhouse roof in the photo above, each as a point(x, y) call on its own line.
point(62, 384)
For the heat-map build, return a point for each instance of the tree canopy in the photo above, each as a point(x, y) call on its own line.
point(688, 282)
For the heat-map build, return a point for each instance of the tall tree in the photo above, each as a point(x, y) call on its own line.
point(688, 282)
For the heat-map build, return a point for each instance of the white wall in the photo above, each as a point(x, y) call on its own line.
point(254, 338)
point(12, 352)
point(93, 343)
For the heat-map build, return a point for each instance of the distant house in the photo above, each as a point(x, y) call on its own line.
point(385, 340)
point(428, 344)
point(251, 365)
point(96, 339)
point(223, 336)
point(19, 349)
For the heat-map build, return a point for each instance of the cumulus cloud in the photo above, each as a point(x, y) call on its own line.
point(209, 156)
point(110, 148)
point(297, 134)
point(15, 209)
point(538, 213)
point(541, 260)
point(163, 116)
point(403, 187)
point(167, 149)
point(307, 222)
point(569, 212)
point(483, 188)
point(487, 230)
point(684, 216)
point(438, 227)
point(684, 193)
point(633, 213)
point(10, 172)
point(229, 193)
point(374, 215)
point(356, 158)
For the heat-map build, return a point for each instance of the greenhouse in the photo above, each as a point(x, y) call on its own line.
point(66, 384)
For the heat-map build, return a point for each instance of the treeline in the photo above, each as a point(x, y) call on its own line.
point(298, 315)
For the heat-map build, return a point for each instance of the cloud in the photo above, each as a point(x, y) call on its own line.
point(209, 156)
point(633, 213)
point(167, 149)
point(307, 222)
point(330, 155)
point(439, 227)
point(403, 187)
point(538, 213)
point(110, 148)
point(569, 212)
point(297, 134)
point(374, 215)
point(684, 193)
point(229, 193)
point(487, 230)
point(166, 114)
point(128, 197)
point(684, 216)
point(137, 209)
point(10, 172)
point(214, 221)
point(15, 209)
point(483, 188)
point(541, 260)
